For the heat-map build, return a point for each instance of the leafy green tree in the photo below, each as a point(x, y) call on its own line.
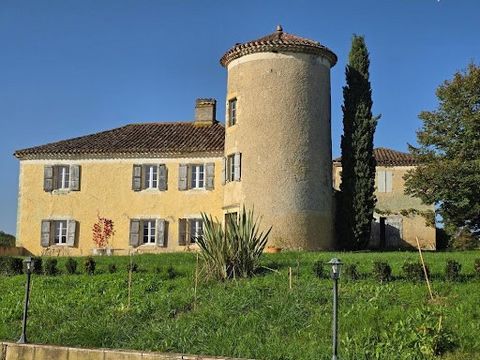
point(6, 239)
point(356, 198)
point(448, 174)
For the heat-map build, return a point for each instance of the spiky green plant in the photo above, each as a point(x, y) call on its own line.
point(233, 251)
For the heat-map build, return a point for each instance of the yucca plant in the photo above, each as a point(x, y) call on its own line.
point(233, 251)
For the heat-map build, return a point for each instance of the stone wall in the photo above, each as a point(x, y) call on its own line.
point(10, 351)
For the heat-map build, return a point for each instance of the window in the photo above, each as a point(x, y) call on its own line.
point(232, 165)
point(232, 112)
point(189, 231)
point(61, 177)
point(149, 231)
point(384, 181)
point(149, 176)
point(58, 232)
point(197, 176)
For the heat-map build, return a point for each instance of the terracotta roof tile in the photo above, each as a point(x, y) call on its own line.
point(279, 41)
point(389, 157)
point(148, 138)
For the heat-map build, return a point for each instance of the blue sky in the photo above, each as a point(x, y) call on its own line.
point(70, 68)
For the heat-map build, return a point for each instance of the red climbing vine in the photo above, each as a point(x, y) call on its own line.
point(102, 231)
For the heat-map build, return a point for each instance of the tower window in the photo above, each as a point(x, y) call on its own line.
point(232, 112)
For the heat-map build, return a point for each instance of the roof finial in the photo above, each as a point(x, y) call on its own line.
point(279, 28)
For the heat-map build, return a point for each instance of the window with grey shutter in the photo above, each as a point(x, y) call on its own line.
point(134, 232)
point(182, 232)
point(224, 170)
point(182, 177)
point(75, 177)
point(162, 177)
point(161, 232)
point(46, 233)
point(137, 178)
point(210, 175)
point(48, 178)
point(71, 228)
point(388, 181)
point(238, 166)
point(381, 181)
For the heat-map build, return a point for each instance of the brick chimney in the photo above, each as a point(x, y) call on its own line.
point(205, 112)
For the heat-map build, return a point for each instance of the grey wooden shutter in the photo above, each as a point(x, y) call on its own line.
point(381, 181)
point(182, 232)
point(162, 177)
point(224, 170)
point(75, 177)
point(48, 178)
point(56, 177)
point(72, 228)
point(46, 233)
point(134, 232)
point(238, 167)
point(182, 177)
point(161, 232)
point(210, 171)
point(190, 227)
point(137, 178)
point(388, 181)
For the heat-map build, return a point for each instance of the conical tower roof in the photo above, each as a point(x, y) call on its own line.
point(279, 41)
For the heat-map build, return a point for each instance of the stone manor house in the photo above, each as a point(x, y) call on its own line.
point(153, 180)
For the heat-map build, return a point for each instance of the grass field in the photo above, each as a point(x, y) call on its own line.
point(257, 318)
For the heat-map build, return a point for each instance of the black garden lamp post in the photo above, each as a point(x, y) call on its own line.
point(335, 275)
point(28, 270)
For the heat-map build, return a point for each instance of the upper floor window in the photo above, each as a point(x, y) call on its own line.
point(384, 181)
point(232, 112)
point(197, 179)
point(58, 232)
point(149, 176)
point(61, 177)
point(196, 176)
point(232, 167)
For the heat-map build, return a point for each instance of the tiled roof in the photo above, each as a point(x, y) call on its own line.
point(389, 157)
point(148, 138)
point(278, 41)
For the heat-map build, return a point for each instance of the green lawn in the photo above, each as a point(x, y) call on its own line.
point(251, 318)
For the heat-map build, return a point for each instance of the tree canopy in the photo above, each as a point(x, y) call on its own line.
point(448, 174)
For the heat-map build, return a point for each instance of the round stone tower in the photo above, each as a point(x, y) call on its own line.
point(278, 137)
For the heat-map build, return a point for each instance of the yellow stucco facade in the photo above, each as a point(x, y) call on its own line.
point(106, 191)
point(399, 218)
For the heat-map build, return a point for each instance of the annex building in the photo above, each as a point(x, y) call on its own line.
point(154, 180)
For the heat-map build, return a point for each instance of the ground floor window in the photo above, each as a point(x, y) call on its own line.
point(149, 231)
point(58, 232)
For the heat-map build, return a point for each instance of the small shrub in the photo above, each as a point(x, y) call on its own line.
point(112, 268)
point(452, 270)
point(71, 266)
point(171, 273)
point(414, 271)
point(319, 269)
point(382, 271)
point(51, 267)
point(133, 267)
point(11, 265)
point(90, 265)
point(476, 267)
point(351, 272)
point(37, 263)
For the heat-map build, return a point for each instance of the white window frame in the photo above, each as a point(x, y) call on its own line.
point(64, 177)
point(150, 225)
point(197, 176)
point(151, 177)
point(231, 168)
point(232, 112)
point(60, 234)
point(196, 230)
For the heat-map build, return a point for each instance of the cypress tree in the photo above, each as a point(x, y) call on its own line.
point(357, 199)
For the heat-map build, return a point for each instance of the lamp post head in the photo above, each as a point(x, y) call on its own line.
point(335, 270)
point(28, 261)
